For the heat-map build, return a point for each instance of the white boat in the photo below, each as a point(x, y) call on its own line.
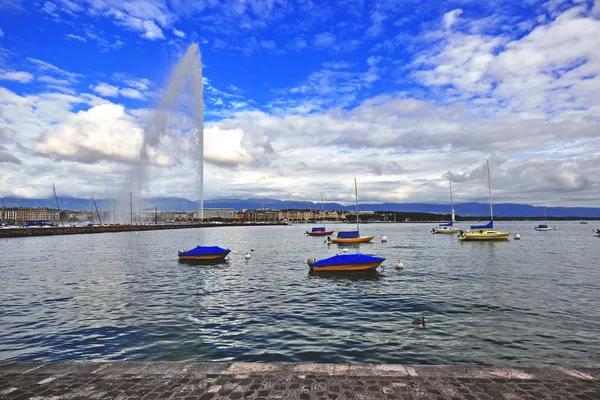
point(544, 226)
point(485, 232)
point(448, 227)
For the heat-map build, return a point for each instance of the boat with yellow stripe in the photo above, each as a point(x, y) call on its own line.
point(346, 262)
point(204, 253)
point(348, 237)
point(485, 232)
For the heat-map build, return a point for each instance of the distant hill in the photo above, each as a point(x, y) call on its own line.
point(462, 209)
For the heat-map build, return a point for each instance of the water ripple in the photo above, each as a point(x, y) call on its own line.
point(528, 302)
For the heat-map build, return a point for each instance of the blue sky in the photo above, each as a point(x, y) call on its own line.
point(301, 96)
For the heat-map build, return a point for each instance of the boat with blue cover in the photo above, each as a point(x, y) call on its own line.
point(346, 262)
point(204, 253)
point(319, 231)
point(345, 237)
point(544, 226)
point(448, 227)
point(486, 231)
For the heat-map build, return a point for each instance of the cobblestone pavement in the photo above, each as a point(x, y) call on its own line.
point(290, 381)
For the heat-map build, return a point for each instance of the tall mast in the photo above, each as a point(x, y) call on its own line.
point(490, 189)
point(130, 209)
point(356, 197)
point(57, 205)
point(322, 210)
point(451, 204)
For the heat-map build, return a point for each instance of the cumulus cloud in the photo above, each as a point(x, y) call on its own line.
point(223, 147)
point(178, 33)
point(18, 76)
point(324, 40)
point(104, 132)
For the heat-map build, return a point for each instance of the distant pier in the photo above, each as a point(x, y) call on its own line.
point(78, 230)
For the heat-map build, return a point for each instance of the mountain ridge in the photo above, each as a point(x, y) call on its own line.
point(181, 204)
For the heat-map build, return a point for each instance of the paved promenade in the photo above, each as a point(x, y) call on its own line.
point(290, 381)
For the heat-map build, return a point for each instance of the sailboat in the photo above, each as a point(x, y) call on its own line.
point(485, 232)
point(351, 236)
point(448, 227)
point(318, 230)
point(544, 226)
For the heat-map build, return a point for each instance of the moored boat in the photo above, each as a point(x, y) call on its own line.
point(544, 226)
point(345, 237)
point(319, 231)
point(204, 253)
point(350, 237)
point(346, 262)
point(597, 233)
point(447, 228)
point(485, 232)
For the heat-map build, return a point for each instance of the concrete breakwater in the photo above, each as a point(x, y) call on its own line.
point(77, 230)
point(134, 380)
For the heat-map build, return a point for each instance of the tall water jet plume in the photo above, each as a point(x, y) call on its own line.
point(180, 114)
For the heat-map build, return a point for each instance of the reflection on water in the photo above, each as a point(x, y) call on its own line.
point(223, 262)
point(125, 296)
point(367, 275)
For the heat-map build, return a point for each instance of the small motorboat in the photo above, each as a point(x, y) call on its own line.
point(204, 253)
point(543, 227)
point(346, 262)
point(319, 231)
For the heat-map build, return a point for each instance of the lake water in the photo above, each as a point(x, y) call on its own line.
point(124, 296)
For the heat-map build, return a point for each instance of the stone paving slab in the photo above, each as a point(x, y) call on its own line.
point(214, 381)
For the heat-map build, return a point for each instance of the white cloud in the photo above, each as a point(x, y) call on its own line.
point(45, 66)
point(106, 90)
point(178, 33)
point(50, 9)
point(103, 132)
point(131, 93)
point(53, 81)
point(18, 76)
point(1, 33)
point(451, 17)
point(76, 37)
point(224, 147)
point(324, 40)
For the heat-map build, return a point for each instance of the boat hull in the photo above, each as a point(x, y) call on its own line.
point(362, 239)
point(484, 235)
point(349, 267)
point(326, 233)
point(445, 231)
point(200, 257)
point(543, 229)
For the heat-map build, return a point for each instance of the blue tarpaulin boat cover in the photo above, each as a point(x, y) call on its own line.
point(446, 224)
point(543, 226)
point(348, 234)
point(343, 259)
point(318, 229)
point(489, 225)
point(204, 250)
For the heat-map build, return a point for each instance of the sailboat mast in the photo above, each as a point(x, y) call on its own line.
point(356, 197)
point(451, 204)
point(490, 189)
point(322, 211)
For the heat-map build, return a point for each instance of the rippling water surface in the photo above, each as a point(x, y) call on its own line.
point(124, 296)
